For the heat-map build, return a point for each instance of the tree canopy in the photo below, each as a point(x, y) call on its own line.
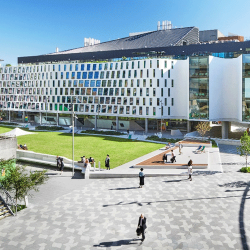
point(244, 148)
point(19, 181)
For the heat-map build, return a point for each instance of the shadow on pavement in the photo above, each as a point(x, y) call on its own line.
point(123, 188)
point(175, 180)
point(121, 203)
point(117, 243)
point(241, 220)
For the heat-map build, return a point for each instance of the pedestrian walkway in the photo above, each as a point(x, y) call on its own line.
point(210, 212)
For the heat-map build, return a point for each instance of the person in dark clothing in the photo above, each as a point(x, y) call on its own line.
point(58, 162)
point(141, 177)
point(107, 160)
point(62, 165)
point(165, 158)
point(142, 225)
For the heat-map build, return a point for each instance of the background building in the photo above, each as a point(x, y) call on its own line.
point(134, 82)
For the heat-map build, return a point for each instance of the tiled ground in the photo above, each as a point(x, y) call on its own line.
point(211, 212)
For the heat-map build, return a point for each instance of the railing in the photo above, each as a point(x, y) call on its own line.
point(8, 201)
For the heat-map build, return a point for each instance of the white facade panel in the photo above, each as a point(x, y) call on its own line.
point(180, 90)
point(225, 89)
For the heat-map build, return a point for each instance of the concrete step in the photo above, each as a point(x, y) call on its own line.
point(4, 216)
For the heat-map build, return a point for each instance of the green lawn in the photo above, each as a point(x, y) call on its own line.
point(54, 143)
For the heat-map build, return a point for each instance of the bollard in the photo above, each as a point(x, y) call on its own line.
point(99, 166)
point(94, 166)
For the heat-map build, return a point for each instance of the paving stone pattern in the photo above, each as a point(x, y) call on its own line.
point(210, 212)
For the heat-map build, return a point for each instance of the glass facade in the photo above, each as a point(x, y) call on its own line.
point(198, 87)
point(246, 88)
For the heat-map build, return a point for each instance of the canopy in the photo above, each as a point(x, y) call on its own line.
point(16, 132)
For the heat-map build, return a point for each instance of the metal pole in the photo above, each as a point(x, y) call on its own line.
point(73, 125)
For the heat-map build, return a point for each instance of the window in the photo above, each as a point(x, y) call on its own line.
point(127, 65)
point(82, 67)
point(107, 74)
point(84, 75)
point(154, 91)
point(158, 101)
point(94, 66)
point(168, 91)
point(147, 91)
point(172, 83)
point(120, 83)
point(166, 83)
point(172, 101)
point(158, 64)
point(76, 67)
point(165, 64)
point(111, 66)
point(140, 91)
point(128, 91)
point(104, 83)
point(150, 63)
point(102, 75)
point(140, 110)
point(138, 83)
point(144, 82)
point(161, 91)
point(161, 72)
point(96, 75)
point(168, 110)
point(138, 64)
point(100, 66)
point(133, 65)
point(137, 101)
point(158, 82)
point(92, 83)
point(147, 110)
point(90, 75)
point(88, 66)
point(166, 101)
point(134, 91)
point(86, 84)
point(78, 75)
point(169, 73)
point(172, 64)
point(154, 110)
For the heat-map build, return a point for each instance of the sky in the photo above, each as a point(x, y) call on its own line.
point(36, 27)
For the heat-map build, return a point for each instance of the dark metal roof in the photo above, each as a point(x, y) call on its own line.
point(153, 39)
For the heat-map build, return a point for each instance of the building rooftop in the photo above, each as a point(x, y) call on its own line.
point(152, 39)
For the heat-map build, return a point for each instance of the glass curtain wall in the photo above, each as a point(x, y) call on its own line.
point(246, 88)
point(198, 87)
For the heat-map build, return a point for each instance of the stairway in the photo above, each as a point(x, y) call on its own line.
point(4, 211)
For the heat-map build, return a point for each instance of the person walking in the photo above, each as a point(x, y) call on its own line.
point(142, 225)
point(190, 169)
point(180, 148)
point(107, 160)
point(62, 165)
point(141, 177)
point(58, 162)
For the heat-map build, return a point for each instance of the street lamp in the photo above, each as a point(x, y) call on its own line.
point(161, 114)
point(73, 133)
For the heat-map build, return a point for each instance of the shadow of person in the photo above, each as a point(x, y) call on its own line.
point(117, 243)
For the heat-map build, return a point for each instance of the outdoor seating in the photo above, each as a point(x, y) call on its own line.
point(202, 150)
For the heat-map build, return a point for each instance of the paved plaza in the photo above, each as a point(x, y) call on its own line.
point(210, 212)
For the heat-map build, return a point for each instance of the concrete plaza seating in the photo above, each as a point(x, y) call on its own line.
point(45, 159)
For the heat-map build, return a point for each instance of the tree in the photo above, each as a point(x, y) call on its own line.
point(244, 148)
point(203, 128)
point(19, 181)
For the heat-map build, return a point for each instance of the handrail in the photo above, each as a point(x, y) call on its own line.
point(8, 201)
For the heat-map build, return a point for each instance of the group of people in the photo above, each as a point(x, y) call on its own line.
point(60, 163)
point(165, 157)
point(87, 162)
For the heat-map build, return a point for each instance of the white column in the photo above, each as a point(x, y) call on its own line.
point(188, 126)
point(146, 125)
point(117, 123)
point(224, 130)
point(95, 122)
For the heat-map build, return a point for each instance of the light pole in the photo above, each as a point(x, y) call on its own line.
point(73, 128)
point(161, 114)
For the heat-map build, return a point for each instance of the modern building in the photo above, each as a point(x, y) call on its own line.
point(159, 75)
